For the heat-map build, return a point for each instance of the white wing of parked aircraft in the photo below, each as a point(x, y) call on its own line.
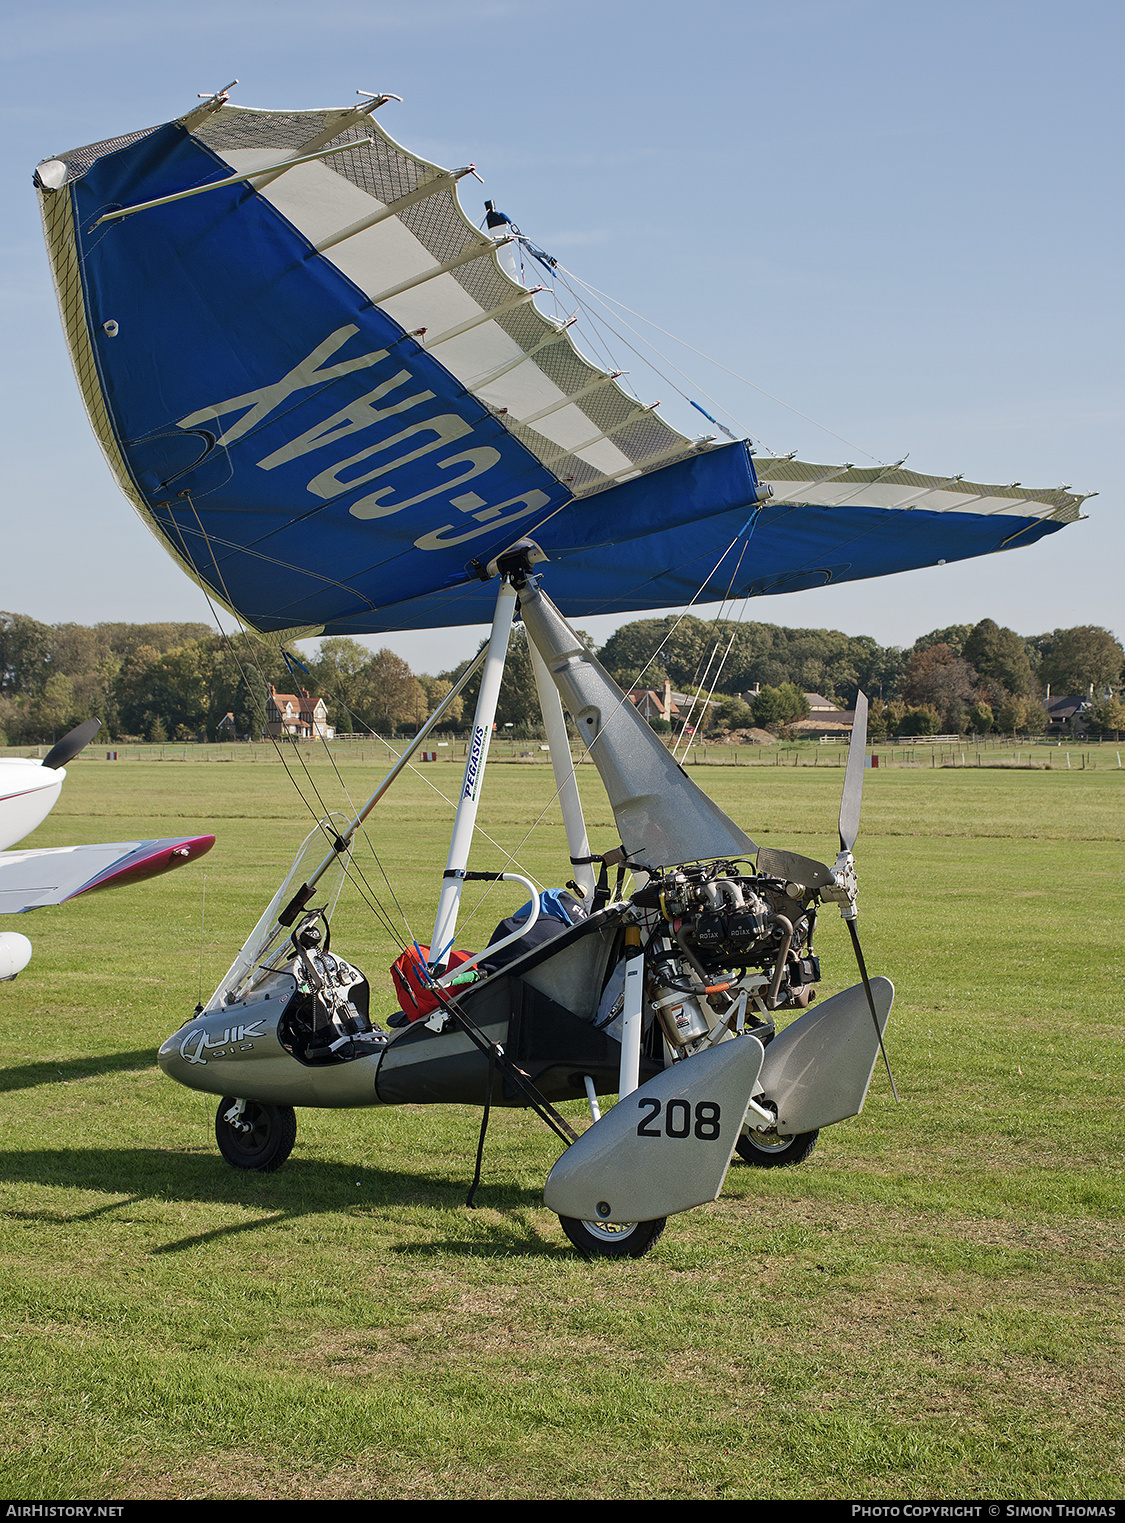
point(29, 791)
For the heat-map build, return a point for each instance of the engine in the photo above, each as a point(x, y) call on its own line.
point(726, 948)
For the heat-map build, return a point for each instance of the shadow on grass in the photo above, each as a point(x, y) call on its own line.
point(29, 1075)
point(306, 1188)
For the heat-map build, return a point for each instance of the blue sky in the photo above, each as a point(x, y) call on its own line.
point(902, 221)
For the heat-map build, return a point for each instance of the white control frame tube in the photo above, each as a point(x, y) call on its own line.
point(445, 921)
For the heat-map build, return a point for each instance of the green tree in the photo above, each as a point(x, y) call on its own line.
point(954, 636)
point(1016, 715)
point(518, 703)
point(923, 720)
point(775, 707)
point(435, 689)
point(981, 718)
point(937, 678)
point(339, 669)
point(52, 710)
point(1075, 659)
point(396, 699)
point(25, 646)
point(680, 645)
point(1000, 655)
point(732, 713)
point(1109, 714)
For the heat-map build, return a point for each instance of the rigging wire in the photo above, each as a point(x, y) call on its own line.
point(323, 822)
point(585, 758)
point(719, 618)
point(606, 299)
point(371, 845)
point(596, 317)
point(510, 858)
point(370, 897)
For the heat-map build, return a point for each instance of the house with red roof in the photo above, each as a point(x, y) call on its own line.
point(297, 716)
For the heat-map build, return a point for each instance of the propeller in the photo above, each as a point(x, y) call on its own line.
point(838, 884)
point(853, 777)
point(846, 884)
point(72, 742)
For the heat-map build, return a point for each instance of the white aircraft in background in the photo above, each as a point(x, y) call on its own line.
point(29, 791)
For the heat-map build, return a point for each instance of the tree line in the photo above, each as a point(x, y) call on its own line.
point(977, 677)
point(181, 681)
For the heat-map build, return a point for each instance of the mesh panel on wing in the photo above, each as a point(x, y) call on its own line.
point(608, 408)
point(579, 474)
point(439, 226)
point(79, 160)
point(566, 367)
point(382, 170)
point(486, 284)
point(647, 436)
point(232, 129)
point(527, 327)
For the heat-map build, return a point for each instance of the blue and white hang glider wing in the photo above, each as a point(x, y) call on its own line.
point(314, 380)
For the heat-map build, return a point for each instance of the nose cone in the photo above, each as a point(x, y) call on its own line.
point(28, 793)
point(15, 954)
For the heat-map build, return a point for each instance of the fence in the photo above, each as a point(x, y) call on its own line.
point(934, 751)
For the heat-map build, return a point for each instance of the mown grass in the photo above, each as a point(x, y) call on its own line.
point(931, 1306)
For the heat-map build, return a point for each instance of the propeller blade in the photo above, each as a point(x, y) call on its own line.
point(853, 777)
point(870, 1001)
point(71, 743)
point(793, 868)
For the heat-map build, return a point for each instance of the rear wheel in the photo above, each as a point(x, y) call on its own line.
point(766, 1150)
point(261, 1138)
point(612, 1240)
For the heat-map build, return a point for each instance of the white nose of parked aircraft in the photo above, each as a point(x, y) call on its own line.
point(28, 793)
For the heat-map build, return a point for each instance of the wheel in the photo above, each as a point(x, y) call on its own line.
point(766, 1150)
point(612, 1240)
point(264, 1138)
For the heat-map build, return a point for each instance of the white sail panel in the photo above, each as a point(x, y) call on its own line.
point(326, 198)
point(798, 481)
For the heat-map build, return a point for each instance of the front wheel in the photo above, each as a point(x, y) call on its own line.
point(612, 1240)
point(766, 1150)
point(261, 1138)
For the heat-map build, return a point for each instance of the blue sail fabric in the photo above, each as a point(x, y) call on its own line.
point(314, 467)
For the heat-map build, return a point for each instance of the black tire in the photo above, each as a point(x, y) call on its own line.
point(766, 1150)
point(268, 1140)
point(612, 1240)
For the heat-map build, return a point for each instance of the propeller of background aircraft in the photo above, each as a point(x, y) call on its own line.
point(72, 742)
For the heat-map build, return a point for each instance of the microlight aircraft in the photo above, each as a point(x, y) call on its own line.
point(342, 411)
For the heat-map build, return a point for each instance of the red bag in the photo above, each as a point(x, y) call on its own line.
point(411, 980)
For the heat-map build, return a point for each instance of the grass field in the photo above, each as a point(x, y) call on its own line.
point(930, 1307)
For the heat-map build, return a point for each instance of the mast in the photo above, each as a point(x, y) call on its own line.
point(554, 722)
